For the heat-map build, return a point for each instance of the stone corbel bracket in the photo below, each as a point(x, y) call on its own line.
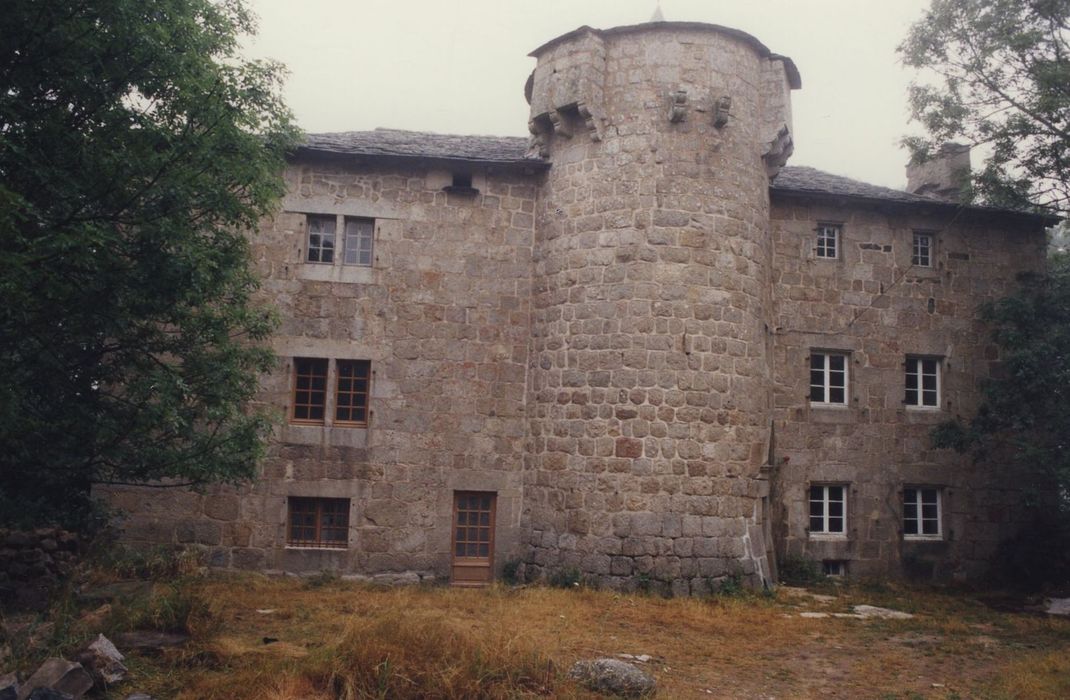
point(778, 151)
point(722, 109)
point(677, 106)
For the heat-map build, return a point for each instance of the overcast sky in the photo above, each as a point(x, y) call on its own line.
point(459, 66)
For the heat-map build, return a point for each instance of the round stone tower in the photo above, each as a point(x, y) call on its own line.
point(650, 380)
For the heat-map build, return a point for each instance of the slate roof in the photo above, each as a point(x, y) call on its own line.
point(512, 151)
point(802, 179)
point(395, 143)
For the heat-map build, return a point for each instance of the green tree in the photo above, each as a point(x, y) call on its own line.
point(996, 73)
point(135, 148)
point(1023, 424)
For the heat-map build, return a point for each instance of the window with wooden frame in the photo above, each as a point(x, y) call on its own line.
point(922, 382)
point(318, 522)
point(828, 241)
point(828, 378)
point(359, 238)
point(922, 513)
point(351, 397)
point(921, 252)
point(310, 390)
point(828, 510)
point(321, 239)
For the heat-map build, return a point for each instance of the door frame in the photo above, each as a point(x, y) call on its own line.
point(477, 562)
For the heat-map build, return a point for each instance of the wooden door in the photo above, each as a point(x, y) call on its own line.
point(473, 538)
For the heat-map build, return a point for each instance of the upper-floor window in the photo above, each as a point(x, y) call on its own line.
point(358, 238)
point(352, 386)
point(828, 378)
point(922, 382)
point(828, 510)
point(351, 407)
point(360, 234)
point(922, 250)
point(321, 239)
point(922, 513)
point(310, 389)
point(828, 241)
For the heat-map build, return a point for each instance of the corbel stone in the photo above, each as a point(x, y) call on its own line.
point(721, 109)
point(778, 151)
point(592, 121)
point(537, 144)
point(559, 125)
point(677, 106)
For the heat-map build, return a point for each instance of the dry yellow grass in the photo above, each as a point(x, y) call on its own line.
point(339, 641)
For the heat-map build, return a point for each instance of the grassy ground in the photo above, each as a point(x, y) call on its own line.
point(255, 637)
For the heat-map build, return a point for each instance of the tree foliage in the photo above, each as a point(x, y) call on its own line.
point(1002, 80)
point(1023, 424)
point(135, 147)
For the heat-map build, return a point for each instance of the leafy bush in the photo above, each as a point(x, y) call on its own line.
point(511, 571)
point(566, 578)
point(800, 571)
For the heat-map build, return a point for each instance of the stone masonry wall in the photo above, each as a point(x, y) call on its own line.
point(872, 304)
point(443, 316)
point(649, 381)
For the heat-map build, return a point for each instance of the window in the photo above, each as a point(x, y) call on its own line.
point(358, 242)
point(828, 510)
point(350, 401)
point(922, 250)
point(321, 239)
point(318, 522)
point(310, 390)
point(836, 568)
point(828, 378)
point(828, 241)
point(921, 513)
point(351, 406)
point(922, 382)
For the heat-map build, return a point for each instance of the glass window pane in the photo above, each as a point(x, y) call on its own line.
point(817, 524)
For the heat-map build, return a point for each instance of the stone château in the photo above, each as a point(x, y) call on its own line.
point(635, 345)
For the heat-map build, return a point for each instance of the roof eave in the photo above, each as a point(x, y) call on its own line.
point(522, 165)
point(1022, 217)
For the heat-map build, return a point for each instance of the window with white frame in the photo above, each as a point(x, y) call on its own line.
point(828, 241)
point(828, 378)
point(359, 235)
point(828, 509)
point(922, 513)
point(922, 250)
point(922, 382)
point(356, 240)
point(321, 239)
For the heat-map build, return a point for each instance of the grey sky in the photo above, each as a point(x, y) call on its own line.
point(459, 66)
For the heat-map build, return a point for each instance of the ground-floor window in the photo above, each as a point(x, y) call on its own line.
point(828, 509)
point(921, 512)
point(318, 522)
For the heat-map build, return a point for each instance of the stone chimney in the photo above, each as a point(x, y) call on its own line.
point(944, 175)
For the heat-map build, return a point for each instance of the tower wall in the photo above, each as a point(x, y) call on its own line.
point(649, 378)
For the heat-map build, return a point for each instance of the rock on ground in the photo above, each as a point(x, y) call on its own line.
point(60, 675)
point(886, 613)
point(103, 661)
point(613, 676)
point(9, 687)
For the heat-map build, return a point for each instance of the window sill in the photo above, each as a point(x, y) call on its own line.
point(319, 434)
point(311, 548)
point(325, 272)
point(923, 538)
point(834, 536)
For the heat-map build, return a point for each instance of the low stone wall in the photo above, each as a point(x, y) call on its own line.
point(33, 563)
